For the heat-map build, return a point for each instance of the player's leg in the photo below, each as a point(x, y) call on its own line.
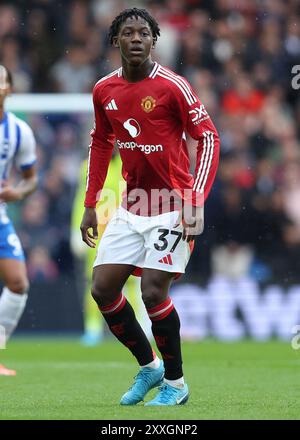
point(108, 281)
point(120, 251)
point(167, 255)
point(13, 298)
point(166, 332)
point(14, 277)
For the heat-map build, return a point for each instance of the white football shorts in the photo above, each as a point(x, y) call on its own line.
point(144, 242)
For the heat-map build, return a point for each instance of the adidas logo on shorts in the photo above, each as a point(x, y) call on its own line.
point(166, 260)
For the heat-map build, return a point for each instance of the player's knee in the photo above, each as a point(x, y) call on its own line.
point(151, 295)
point(18, 285)
point(98, 292)
point(102, 293)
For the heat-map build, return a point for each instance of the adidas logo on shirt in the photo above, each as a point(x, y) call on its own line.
point(111, 105)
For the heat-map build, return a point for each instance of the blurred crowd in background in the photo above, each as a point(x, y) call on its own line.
point(238, 55)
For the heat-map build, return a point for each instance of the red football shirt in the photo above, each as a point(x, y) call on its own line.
point(147, 120)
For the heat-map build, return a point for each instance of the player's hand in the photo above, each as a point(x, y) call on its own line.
point(9, 194)
point(89, 221)
point(192, 219)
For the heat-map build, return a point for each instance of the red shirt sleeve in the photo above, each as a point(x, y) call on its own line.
point(198, 124)
point(100, 152)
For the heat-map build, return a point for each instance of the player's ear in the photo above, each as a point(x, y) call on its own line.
point(116, 42)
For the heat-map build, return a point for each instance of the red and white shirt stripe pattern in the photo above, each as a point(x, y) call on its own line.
point(182, 85)
point(205, 162)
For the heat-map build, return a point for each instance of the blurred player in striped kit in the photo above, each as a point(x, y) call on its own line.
point(17, 146)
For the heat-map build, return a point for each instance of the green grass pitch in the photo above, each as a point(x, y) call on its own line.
point(63, 380)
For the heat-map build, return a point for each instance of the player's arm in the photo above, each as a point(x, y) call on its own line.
point(199, 125)
point(100, 152)
point(25, 160)
point(25, 187)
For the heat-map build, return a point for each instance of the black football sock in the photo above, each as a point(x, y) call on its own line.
point(123, 324)
point(165, 329)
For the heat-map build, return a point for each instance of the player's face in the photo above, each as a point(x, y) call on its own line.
point(5, 88)
point(135, 40)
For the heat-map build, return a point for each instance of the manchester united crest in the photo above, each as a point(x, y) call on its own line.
point(148, 104)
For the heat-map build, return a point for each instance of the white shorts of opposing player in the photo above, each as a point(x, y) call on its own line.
point(144, 242)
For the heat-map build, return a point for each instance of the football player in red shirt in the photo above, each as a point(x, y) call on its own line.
point(145, 109)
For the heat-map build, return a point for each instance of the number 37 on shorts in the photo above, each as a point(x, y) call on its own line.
point(175, 251)
point(165, 241)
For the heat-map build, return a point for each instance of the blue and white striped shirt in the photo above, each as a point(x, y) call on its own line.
point(17, 145)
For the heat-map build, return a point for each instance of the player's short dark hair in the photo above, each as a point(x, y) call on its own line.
point(9, 75)
point(133, 12)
